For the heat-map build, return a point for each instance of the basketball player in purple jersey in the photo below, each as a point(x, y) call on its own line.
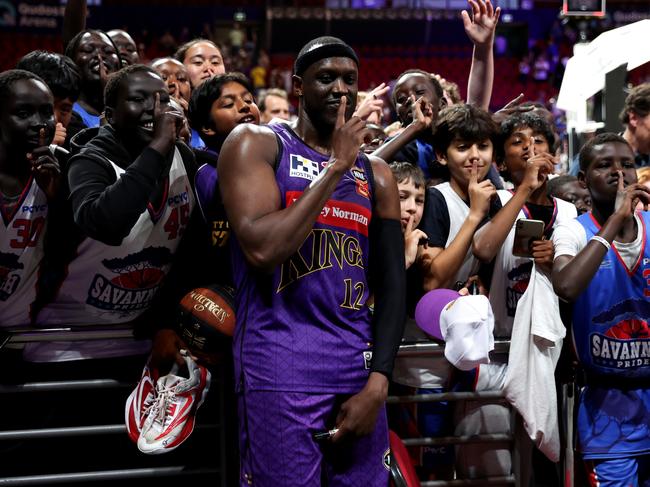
point(317, 231)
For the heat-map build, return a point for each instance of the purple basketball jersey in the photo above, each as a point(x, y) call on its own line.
point(306, 327)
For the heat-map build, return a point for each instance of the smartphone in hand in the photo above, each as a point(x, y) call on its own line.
point(526, 231)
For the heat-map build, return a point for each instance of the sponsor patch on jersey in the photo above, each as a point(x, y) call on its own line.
point(33, 208)
point(342, 214)
point(361, 182)
point(301, 167)
point(135, 283)
point(9, 279)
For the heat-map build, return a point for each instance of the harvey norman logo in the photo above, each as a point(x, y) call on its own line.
point(342, 214)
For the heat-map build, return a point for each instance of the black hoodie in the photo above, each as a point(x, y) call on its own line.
point(96, 204)
point(104, 207)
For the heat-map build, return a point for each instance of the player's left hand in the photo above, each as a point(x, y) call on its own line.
point(358, 415)
point(481, 26)
point(166, 349)
point(45, 167)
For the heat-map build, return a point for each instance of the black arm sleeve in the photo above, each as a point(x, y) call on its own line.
point(389, 279)
point(106, 208)
point(435, 219)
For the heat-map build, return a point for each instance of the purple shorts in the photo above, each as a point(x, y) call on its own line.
point(277, 447)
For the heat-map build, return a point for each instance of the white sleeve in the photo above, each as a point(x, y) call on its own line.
point(569, 238)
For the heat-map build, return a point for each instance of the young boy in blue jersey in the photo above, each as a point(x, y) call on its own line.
point(602, 265)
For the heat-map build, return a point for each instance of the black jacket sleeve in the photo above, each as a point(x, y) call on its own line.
point(435, 219)
point(106, 208)
point(389, 284)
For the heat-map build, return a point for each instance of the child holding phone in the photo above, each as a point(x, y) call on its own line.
point(526, 145)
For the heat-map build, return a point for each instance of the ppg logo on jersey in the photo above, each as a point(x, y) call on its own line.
point(34, 208)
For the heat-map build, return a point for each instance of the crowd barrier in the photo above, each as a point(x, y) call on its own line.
point(520, 444)
point(26, 441)
point(36, 450)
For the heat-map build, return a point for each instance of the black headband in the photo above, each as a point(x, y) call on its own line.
point(323, 51)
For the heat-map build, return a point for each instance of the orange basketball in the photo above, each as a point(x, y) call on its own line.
point(207, 318)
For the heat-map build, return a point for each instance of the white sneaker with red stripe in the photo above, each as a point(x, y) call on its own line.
point(139, 402)
point(170, 419)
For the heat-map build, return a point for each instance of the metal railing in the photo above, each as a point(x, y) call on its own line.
point(520, 462)
point(219, 469)
point(19, 437)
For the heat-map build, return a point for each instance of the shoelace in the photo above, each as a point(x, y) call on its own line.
point(160, 407)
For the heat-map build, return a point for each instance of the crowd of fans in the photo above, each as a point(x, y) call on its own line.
point(112, 210)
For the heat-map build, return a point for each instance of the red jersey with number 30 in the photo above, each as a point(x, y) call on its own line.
point(21, 251)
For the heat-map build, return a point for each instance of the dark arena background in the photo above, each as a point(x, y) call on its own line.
point(69, 429)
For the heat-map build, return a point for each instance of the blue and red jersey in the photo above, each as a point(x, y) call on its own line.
point(612, 340)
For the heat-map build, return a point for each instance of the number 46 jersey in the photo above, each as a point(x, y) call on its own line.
point(109, 284)
point(21, 251)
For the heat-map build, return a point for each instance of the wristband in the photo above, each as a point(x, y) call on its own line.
point(601, 240)
point(322, 174)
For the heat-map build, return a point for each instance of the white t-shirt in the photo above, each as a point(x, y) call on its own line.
point(569, 238)
point(511, 274)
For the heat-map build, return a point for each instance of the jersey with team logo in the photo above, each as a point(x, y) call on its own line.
point(611, 337)
point(306, 327)
point(108, 284)
point(511, 273)
point(21, 250)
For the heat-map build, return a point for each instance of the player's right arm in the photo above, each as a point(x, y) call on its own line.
point(440, 265)
point(489, 239)
point(267, 233)
point(74, 19)
point(572, 275)
point(480, 29)
point(422, 120)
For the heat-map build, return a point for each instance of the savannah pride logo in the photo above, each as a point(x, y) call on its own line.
point(626, 343)
point(9, 279)
point(138, 277)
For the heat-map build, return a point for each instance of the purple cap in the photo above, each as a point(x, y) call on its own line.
point(428, 309)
